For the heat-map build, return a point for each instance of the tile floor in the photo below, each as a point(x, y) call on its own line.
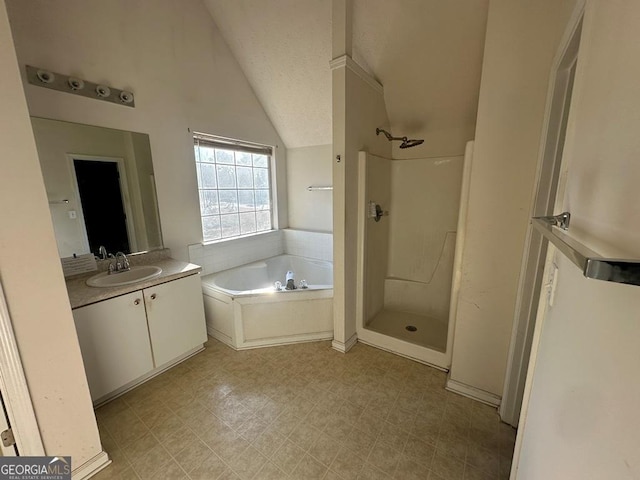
point(301, 412)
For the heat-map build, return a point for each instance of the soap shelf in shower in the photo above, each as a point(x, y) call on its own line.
point(592, 265)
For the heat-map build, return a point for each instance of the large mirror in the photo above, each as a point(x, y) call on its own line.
point(100, 186)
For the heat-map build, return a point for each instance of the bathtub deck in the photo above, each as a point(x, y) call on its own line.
point(430, 333)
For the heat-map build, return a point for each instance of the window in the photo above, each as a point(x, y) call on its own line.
point(234, 182)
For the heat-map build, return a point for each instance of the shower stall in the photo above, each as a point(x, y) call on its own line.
point(408, 257)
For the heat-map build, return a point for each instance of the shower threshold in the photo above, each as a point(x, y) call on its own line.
point(410, 327)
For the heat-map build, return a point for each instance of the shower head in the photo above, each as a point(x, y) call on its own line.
point(406, 143)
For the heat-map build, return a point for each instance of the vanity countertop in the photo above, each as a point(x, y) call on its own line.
point(80, 294)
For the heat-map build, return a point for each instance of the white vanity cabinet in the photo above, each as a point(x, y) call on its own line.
point(175, 313)
point(114, 340)
point(127, 339)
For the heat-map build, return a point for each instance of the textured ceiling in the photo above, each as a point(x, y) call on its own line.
point(284, 49)
point(426, 53)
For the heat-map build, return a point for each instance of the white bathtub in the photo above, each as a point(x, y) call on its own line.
point(244, 310)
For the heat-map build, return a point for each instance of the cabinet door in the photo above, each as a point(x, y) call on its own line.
point(114, 340)
point(175, 313)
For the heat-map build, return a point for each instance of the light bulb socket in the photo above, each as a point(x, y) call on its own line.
point(75, 83)
point(45, 76)
point(126, 97)
point(103, 91)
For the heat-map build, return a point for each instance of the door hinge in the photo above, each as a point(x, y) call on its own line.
point(8, 440)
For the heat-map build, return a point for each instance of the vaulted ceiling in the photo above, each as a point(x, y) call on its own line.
point(426, 53)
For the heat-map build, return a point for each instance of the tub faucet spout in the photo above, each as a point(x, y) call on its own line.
point(291, 285)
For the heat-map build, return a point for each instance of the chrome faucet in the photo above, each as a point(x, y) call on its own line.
point(102, 252)
point(120, 266)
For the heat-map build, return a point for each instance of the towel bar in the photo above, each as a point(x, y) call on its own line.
point(592, 265)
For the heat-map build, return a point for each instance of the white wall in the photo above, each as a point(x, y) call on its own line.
point(308, 166)
point(32, 279)
point(358, 109)
point(172, 56)
point(582, 417)
point(521, 41)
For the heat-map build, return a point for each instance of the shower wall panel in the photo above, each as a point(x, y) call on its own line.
point(423, 220)
point(378, 190)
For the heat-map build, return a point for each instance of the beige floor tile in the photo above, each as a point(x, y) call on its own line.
point(483, 459)
point(210, 468)
point(419, 451)
point(174, 442)
point(447, 466)
point(331, 475)
point(369, 472)
point(137, 449)
point(304, 435)
point(452, 445)
point(170, 471)
point(287, 457)
point(325, 449)
point(264, 414)
point(348, 464)
point(408, 469)
point(393, 436)
point(384, 458)
point(472, 473)
point(252, 428)
point(286, 423)
point(309, 469)
point(338, 429)
point(247, 463)
point(192, 455)
point(268, 442)
point(228, 474)
point(360, 442)
point(270, 471)
point(151, 462)
point(228, 445)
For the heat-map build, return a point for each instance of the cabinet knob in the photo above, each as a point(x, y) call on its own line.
point(136, 301)
point(153, 296)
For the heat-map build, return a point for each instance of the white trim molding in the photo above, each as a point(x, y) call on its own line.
point(347, 62)
point(346, 346)
point(91, 467)
point(15, 392)
point(472, 392)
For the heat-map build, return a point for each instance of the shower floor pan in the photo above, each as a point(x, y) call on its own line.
point(429, 332)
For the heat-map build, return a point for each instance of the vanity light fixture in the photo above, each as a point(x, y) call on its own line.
point(65, 83)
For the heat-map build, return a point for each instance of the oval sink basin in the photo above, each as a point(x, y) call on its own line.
point(134, 275)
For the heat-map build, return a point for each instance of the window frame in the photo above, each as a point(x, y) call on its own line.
point(224, 143)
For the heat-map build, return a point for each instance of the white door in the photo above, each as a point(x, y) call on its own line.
point(114, 341)
point(580, 411)
point(175, 313)
point(10, 450)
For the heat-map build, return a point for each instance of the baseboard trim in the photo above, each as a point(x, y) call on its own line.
point(472, 392)
point(91, 467)
point(346, 346)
